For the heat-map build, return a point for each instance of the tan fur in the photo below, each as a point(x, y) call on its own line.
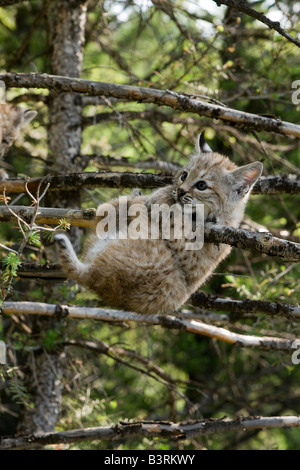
point(158, 276)
point(12, 119)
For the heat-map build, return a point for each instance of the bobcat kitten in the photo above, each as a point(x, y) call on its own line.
point(158, 276)
point(12, 119)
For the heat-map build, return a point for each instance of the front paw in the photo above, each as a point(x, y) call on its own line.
point(61, 240)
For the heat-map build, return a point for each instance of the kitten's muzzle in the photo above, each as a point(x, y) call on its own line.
point(180, 192)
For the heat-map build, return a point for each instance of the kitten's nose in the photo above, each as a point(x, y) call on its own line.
point(180, 192)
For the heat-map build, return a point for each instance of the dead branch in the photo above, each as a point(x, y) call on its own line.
point(168, 98)
point(76, 181)
point(269, 185)
point(35, 271)
point(167, 321)
point(51, 216)
point(240, 307)
point(243, 7)
point(117, 353)
point(262, 242)
point(150, 429)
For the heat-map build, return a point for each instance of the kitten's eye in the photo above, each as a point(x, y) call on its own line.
point(183, 176)
point(201, 185)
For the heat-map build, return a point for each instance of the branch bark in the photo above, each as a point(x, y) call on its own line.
point(244, 8)
point(150, 429)
point(262, 242)
point(240, 307)
point(168, 321)
point(169, 98)
point(269, 185)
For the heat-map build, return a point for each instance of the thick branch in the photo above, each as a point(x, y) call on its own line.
point(174, 100)
point(190, 326)
point(76, 181)
point(242, 6)
point(240, 307)
point(263, 242)
point(271, 185)
point(150, 429)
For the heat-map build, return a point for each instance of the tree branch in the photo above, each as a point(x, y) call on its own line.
point(262, 242)
point(270, 185)
point(169, 98)
point(199, 299)
point(240, 307)
point(150, 429)
point(242, 6)
point(168, 321)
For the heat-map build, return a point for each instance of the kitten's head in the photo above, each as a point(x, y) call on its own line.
point(12, 119)
point(213, 180)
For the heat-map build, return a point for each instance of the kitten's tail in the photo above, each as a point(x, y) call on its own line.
point(68, 258)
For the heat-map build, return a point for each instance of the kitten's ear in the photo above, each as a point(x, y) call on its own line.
point(243, 178)
point(201, 144)
point(28, 115)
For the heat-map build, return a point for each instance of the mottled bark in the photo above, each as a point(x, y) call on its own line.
point(270, 185)
point(150, 429)
point(262, 242)
point(44, 370)
point(44, 382)
point(166, 321)
point(179, 101)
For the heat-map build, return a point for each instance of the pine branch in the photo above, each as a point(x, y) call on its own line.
point(269, 185)
point(243, 7)
point(179, 101)
point(150, 429)
point(167, 321)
